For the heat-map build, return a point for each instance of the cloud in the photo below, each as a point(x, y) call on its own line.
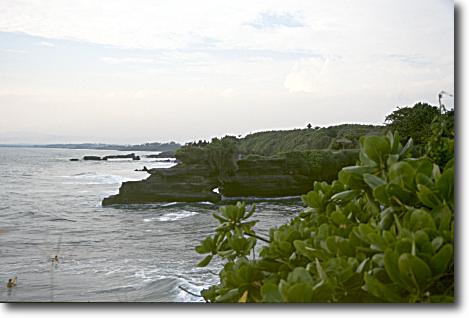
point(14, 51)
point(331, 27)
point(275, 20)
point(46, 44)
point(305, 75)
point(126, 60)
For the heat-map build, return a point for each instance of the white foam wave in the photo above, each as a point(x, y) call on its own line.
point(95, 178)
point(206, 203)
point(174, 216)
point(169, 204)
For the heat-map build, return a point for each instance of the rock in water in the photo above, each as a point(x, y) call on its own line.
point(91, 158)
point(192, 183)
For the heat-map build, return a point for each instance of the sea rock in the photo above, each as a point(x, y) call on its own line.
point(180, 183)
point(74, 159)
point(128, 156)
point(91, 158)
point(164, 154)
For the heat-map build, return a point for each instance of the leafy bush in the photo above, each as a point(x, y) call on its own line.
point(413, 122)
point(382, 232)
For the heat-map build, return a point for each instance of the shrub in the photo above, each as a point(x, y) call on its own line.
point(382, 232)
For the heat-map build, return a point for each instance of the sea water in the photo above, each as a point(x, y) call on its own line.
point(51, 206)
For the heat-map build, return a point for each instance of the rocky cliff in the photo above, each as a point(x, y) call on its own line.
point(180, 183)
point(287, 175)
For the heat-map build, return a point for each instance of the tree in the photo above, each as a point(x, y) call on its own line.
point(221, 156)
point(413, 122)
point(309, 126)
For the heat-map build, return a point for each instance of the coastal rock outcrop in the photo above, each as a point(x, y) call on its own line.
point(292, 174)
point(91, 158)
point(265, 178)
point(181, 183)
point(127, 156)
point(164, 154)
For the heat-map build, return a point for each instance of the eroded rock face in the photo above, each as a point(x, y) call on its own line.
point(263, 178)
point(176, 184)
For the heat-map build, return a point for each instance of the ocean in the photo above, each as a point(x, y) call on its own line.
point(51, 206)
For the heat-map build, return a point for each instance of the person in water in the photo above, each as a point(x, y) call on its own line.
point(55, 259)
point(11, 282)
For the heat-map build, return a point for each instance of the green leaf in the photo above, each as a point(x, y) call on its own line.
point(344, 196)
point(406, 148)
point(307, 251)
point(441, 260)
point(373, 181)
point(227, 253)
point(299, 275)
point(205, 261)
point(231, 295)
point(437, 243)
point(219, 218)
point(445, 185)
point(338, 218)
point(391, 265)
point(414, 271)
point(299, 293)
point(427, 196)
point(251, 211)
point(380, 193)
point(312, 199)
point(270, 293)
point(387, 218)
point(206, 246)
point(399, 194)
point(436, 172)
point(380, 290)
point(424, 180)
point(376, 148)
point(402, 173)
point(420, 219)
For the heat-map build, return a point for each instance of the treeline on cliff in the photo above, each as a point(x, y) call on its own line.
point(316, 153)
point(338, 137)
point(410, 122)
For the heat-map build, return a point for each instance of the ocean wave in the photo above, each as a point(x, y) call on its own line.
point(255, 199)
point(169, 204)
point(61, 219)
point(174, 216)
point(90, 178)
point(206, 203)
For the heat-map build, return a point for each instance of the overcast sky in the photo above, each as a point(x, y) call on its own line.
point(131, 71)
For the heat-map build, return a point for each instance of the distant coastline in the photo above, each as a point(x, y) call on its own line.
point(154, 146)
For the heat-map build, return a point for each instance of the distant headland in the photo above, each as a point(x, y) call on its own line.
point(151, 146)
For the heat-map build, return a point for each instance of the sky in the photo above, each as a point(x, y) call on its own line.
point(128, 71)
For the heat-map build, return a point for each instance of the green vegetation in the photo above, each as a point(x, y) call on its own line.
point(268, 143)
point(220, 154)
point(382, 232)
point(319, 153)
point(413, 122)
point(318, 164)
